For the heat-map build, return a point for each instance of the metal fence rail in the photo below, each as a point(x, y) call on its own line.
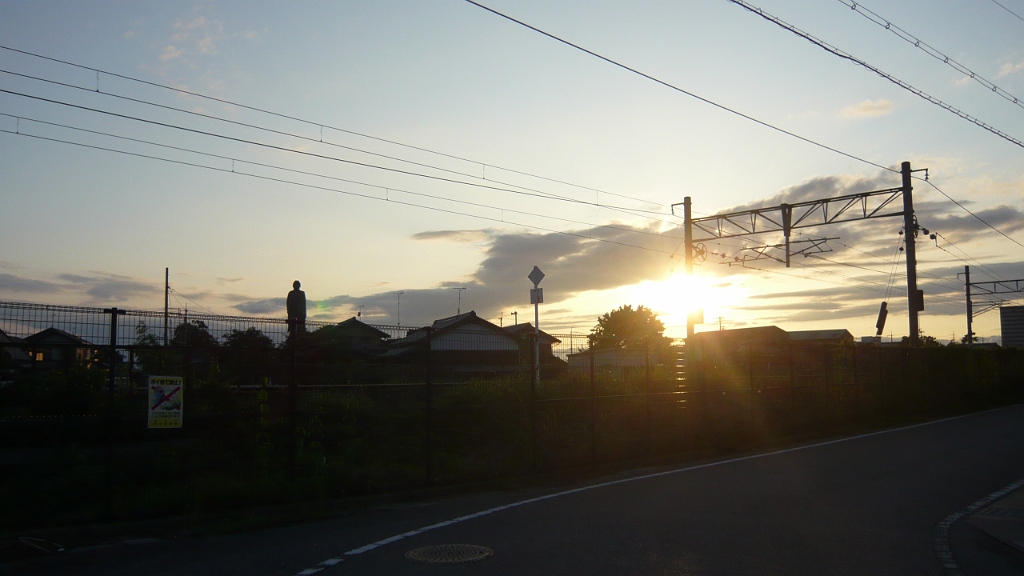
point(272, 417)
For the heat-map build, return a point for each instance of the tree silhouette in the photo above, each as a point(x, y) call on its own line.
point(625, 327)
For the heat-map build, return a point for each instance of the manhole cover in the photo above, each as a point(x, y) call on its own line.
point(449, 553)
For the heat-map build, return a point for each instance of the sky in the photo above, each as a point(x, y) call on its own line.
point(375, 148)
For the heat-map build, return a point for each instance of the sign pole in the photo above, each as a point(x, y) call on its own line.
point(536, 297)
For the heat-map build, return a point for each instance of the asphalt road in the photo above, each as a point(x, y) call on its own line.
point(863, 505)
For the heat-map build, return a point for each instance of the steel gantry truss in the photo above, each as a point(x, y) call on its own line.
point(990, 288)
point(785, 218)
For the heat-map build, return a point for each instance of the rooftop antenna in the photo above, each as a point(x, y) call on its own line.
point(459, 309)
point(359, 314)
point(398, 320)
point(516, 316)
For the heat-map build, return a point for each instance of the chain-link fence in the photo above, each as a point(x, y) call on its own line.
point(346, 409)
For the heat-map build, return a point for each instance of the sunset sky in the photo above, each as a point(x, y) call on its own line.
point(418, 147)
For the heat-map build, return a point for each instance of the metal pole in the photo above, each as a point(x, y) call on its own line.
point(787, 223)
point(536, 339)
point(915, 299)
point(970, 306)
point(429, 383)
point(167, 293)
point(688, 254)
point(593, 403)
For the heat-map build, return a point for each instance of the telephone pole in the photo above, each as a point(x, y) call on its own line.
point(915, 299)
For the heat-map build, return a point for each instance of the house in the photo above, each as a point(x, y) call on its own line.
point(822, 336)
point(463, 343)
point(12, 357)
point(525, 332)
point(55, 345)
point(349, 339)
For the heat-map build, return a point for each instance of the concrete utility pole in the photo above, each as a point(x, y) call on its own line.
point(915, 299)
point(970, 306)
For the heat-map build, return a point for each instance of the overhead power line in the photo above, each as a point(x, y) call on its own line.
point(846, 56)
point(308, 122)
point(1017, 16)
point(680, 90)
point(310, 154)
point(621, 209)
point(928, 49)
point(328, 189)
point(978, 218)
point(335, 178)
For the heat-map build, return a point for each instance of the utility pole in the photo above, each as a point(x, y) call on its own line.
point(398, 317)
point(970, 306)
point(915, 299)
point(167, 293)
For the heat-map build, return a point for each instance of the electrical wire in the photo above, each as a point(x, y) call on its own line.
point(992, 272)
point(1008, 10)
point(336, 190)
point(311, 154)
point(846, 56)
point(978, 218)
point(336, 178)
point(623, 209)
point(928, 49)
point(678, 89)
point(320, 125)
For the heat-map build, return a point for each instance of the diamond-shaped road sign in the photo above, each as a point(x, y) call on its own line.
point(536, 276)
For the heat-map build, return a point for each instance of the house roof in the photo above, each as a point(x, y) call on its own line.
point(56, 336)
point(820, 335)
point(444, 325)
point(526, 327)
point(755, 333)
point(13, 353)
point(355, 327)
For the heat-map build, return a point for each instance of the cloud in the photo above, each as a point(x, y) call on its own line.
point(868, 109)
point(224, 281)
point(129, 35)
point(458, 236)
point(170, 53)
point(4, 264)
point(264, 306)
point(103, 287)
point(1009, 68)
point(20, 284)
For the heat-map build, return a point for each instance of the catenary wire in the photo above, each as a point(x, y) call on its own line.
point(336, 190)
point(678, 89)
point(336, 178)
point(846, 56)
point(313, 123)
point(875, 18)
point(978, 218)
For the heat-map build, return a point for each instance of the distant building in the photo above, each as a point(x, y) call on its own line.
point(464, 343)
point(821, 336)
point(525, 332)
point(1011, 326)
point(56, 345)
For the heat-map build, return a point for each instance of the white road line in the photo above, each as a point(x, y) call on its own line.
point(941, 533)
point(489, 511)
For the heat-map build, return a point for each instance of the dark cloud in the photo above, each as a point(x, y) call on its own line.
point(103, 288)
point(264, 306)
point(223, 281)
point(459, 236)
point(20, 284)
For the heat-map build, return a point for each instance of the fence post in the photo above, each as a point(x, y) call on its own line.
point(647, 392)
point(593, 402)
point(429, 416)
point(110, 424)
point(293, 328)
point(533, 407)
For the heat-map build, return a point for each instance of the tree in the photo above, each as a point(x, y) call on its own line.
point(626, 327)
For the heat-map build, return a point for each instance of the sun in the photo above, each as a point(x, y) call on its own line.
point(674, 298)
